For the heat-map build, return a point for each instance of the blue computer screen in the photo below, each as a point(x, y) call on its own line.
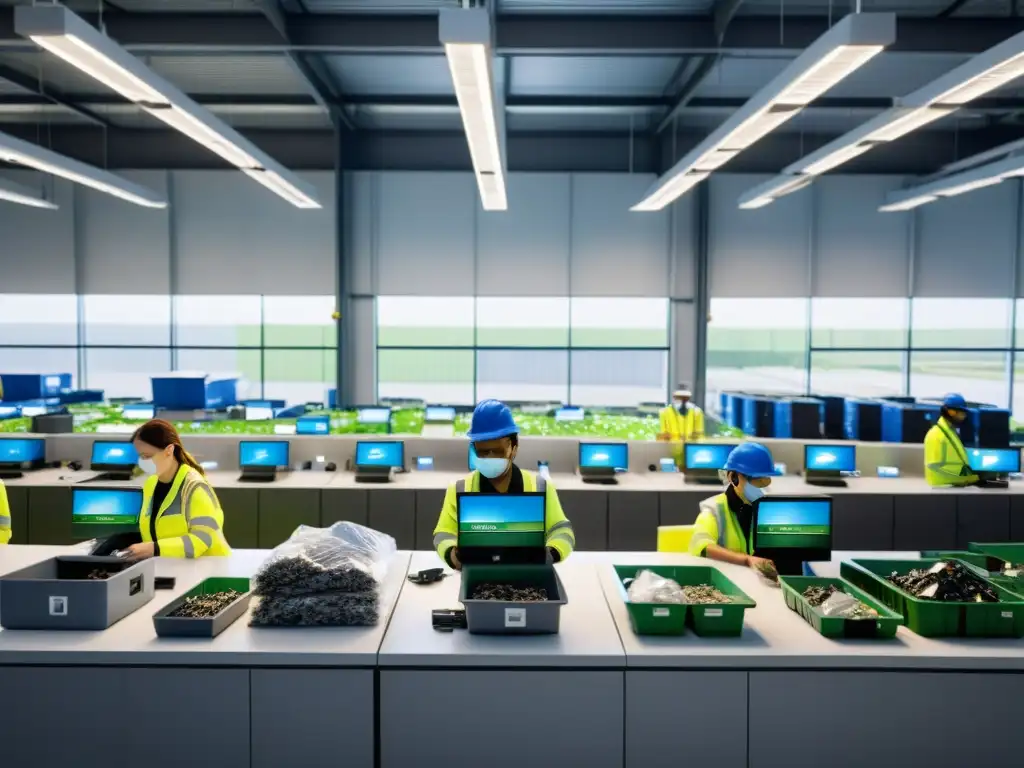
point(439, 413)
point(794, 523)
point(569, 414)
point(614, 455)
point(106, 505)
point(143, 412)
point(114, 453)
point(374, 415)
point(832, 458)
point(706, 456)
point(263, 454)
point(1001, 460)
point(501, 520)
point(384, 454)
point(22, 450)
point(313, 425)
point(9, 412)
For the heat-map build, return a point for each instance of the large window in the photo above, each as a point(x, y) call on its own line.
point(591, 352)
point(282, 347)
point(869, 347)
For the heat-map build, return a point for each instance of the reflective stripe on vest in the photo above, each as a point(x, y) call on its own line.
point(954, 440)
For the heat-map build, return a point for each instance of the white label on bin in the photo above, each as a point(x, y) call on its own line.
point(515, 617)
point(1007, 614)
point(712, 613)
point(58, 606)
point(660, 613)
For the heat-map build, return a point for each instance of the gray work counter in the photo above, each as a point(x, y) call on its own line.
point(260, 697)
point(563, 693)
point(781, 694)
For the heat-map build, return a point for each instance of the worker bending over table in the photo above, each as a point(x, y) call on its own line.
point(681, 422)
point(5, 515)
point(945, 459)
point(495, 439)
point(724, 528)
point(181, 516)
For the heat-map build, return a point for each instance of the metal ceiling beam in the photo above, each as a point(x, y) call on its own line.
point(686, 93)
point(322, 88)
point(952, 8)
point(48, 95)
point(532, 152)
point(722, 14)
point(516, 34)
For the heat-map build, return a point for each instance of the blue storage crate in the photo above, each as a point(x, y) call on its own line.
point(33, 386)
point(863, 420)
point(332, 398)
point(799, 417)
point(907, 422)
point(192, 392)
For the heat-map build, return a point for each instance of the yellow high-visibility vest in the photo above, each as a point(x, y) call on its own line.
point(190, 522)
point(716, 524)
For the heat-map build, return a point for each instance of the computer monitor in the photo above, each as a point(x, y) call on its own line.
point(138, 411)
point(19, 454)
point(313, 425)
point(375, 461)
point(569, 413)
point(117, 457)
point(994, 461)
point(263, 454)
point(599, 462)
point(501, 528)
point(259, 410)
point(792, 530)
point(826, 464)
point(100, 512)
point(702, 461)
point(374, 415)
point(439, 414)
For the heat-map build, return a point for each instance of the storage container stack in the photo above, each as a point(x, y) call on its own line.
point(324, 577)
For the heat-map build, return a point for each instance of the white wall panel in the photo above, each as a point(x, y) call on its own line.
point(966, 245)
point(233, 236)
point(524, 251)
point(361, 194)
point(616, 252)
point(683, 272)
point(425, 234)
point(124, 248)
point(763, 252)
point(37, 247)
point(858, 250)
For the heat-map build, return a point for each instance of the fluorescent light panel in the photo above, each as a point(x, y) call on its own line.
point(908, 204)
point(943, 96)
point(16, 193)
point(18, 152)
point(59, 31)
point(846, 47)
point(466, 36)
point(978, 177)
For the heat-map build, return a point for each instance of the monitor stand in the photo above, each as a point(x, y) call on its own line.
point(701, 479)
point(10, 474)
point(598, 475)
point(824, 480)
point(373, 474)
point(110, 477)
point(992, 481)
point(254, 475)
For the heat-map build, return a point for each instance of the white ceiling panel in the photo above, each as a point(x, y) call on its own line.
point(591, 75)
point(230, 74)
point(391, 75)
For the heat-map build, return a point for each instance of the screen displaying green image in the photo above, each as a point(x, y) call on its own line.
point(794, 524)
point(100, 512)
point(501, 520)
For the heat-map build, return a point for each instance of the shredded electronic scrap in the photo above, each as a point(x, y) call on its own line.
point(509, 594)
point(948, 582)
point(832, 601)
point(649, 587)
point(205, 606)
point(703, 594)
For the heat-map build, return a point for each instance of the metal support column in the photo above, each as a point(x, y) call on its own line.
point(343, 379)
point(701, 297)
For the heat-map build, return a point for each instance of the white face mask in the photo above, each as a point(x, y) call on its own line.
point(148, 466)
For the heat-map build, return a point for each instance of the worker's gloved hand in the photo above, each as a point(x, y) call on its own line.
point(453, 558)
point(765, 567)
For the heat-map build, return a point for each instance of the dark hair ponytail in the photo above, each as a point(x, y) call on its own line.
point(160, 434)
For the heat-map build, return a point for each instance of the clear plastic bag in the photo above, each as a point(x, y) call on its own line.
point(844, 606)
point(649, 587)
point(346, 557)
point(329, 609)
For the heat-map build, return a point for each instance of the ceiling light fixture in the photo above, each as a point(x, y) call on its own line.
point(984, 73)
point(467, 38)
point(15, 193)
point(19, 152)
point(846, 47)
point(953, 184)
point(66, 35)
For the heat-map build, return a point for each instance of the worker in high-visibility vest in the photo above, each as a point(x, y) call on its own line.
point(945, 459)
point(5, 515)
point(680, 423)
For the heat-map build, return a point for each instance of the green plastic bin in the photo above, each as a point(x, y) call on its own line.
point(706, 620)
point(971, 558)
point(929, 618)
point(998, 554)
point(884, 626)
point(210, 626)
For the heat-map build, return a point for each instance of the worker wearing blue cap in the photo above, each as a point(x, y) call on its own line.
point(945, 460)
point(495, 439)
point(723, 530)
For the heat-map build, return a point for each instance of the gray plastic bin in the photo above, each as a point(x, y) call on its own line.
point(492, 617)
point(58, 593)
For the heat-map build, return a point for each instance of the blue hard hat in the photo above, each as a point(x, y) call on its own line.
point(954, 402)
point(491, 419)
point(751, 460)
